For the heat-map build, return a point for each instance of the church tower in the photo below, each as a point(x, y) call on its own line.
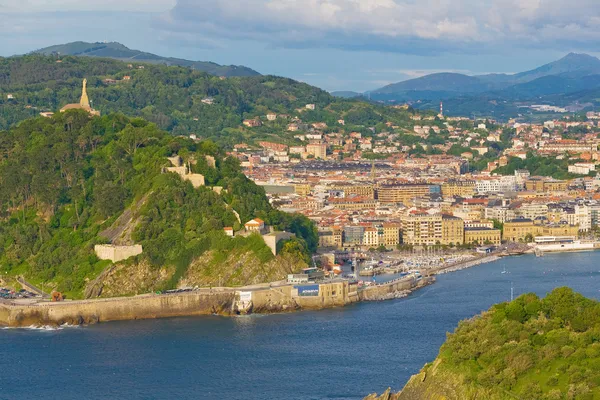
point(85, 101)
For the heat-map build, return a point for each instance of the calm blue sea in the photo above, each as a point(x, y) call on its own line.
point(343, 353)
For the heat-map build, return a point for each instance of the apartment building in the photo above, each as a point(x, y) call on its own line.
point(371, 237)
point(422, 229)
point(367, 191)
point(394, 194)
point(519, 230)
point(483, 236)
point(453, 229)
point(318, 150)
point(391, 234)
point(458, 188)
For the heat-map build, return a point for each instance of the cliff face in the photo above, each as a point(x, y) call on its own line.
point(125, 279)
point(436, 382)
point(238, 268)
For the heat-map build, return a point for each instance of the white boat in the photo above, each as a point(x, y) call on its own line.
point(559, 244)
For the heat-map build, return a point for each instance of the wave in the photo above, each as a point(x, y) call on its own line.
point(43, 328)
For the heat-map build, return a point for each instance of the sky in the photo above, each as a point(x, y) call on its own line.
point(355, 45)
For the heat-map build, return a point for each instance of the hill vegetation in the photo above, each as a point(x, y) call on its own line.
point(531, 348)
point(66, 180)
point(119, 51)
point(181, 100)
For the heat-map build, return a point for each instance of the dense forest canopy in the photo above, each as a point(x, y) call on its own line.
point(172, 98)
point(531, 348)
point(65, 180)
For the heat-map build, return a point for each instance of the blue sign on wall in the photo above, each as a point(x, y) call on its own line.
point(311, 290)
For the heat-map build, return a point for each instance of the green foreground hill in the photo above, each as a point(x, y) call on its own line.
point(70, 182)
point(531, 348)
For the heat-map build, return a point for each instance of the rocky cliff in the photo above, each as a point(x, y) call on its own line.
point(236, 268)
point(436, 382)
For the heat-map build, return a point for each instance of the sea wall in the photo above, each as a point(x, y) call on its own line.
point(203, 302)
point(116, 309)
point(394, 289)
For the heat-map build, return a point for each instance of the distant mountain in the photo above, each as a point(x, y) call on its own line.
point(499, 94)
point(346, 94)
point(121, 52)
point(444, 82)
point(572, 66)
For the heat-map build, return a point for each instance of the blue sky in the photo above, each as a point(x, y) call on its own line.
point(334, 44)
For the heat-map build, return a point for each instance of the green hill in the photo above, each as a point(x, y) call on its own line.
point(181, 100)
point(531, 348)
point(71, 182)
point(121, 52)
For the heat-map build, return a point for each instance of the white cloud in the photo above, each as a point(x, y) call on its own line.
point(421, 26)
point(33, 6)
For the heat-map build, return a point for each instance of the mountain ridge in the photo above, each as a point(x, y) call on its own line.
point(119, 51)
point(503, 95)
point(572, 65)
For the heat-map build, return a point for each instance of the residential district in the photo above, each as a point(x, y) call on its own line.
point(371, 192)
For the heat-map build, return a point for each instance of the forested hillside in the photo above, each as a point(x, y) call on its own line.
point(64, 182)
point(531, 348)
point(180, 100)
point(120, 52)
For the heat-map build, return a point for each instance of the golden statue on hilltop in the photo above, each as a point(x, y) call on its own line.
point(84, 102)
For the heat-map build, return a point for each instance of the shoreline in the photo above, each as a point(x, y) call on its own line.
point(221, 301)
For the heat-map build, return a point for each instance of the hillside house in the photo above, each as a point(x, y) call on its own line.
point(255, 225)
point(252, 123)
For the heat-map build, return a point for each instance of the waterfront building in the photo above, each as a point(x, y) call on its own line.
point(453, 229)
point(479, 224)
point(423, 229)
point(391, 234)
point(522, 229)
point(483, 236)
point(371, 237)
point(353, 235)
point(327, 238)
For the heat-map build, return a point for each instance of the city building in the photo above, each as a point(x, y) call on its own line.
point(394, 194)
point(483, 236)
point(458, 188)
point(317, 150)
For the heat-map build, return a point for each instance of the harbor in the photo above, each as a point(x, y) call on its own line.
point(383, 277)
point(363, 347)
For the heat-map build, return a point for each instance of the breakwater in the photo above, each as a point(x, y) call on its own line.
point(286, 298)
point(466, 264)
